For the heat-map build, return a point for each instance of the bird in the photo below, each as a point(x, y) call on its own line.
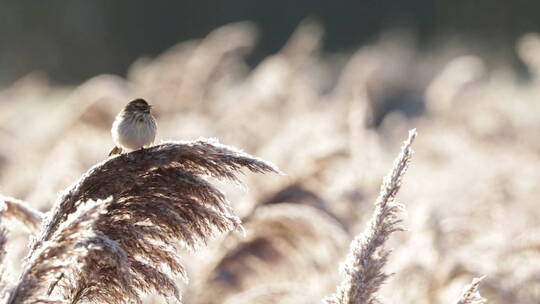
point(134, 128)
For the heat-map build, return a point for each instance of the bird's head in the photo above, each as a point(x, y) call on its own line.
point(138, 105)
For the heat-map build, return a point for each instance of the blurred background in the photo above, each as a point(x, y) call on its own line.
point(327, 90)
point(73, 40)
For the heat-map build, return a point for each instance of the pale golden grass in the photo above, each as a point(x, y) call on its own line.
point(14, 209)
point(283, 241)
point(363, 268)
point(471, 194)
point(4, 281)
point(471, 295)
point(283, 292)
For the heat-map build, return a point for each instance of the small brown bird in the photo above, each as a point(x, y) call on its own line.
point(134, 127)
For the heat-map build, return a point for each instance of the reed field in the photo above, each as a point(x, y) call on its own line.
point(278, 183)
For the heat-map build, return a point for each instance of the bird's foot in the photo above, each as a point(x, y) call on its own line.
point(115, 150)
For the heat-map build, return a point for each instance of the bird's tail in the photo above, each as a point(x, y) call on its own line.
point(115, 150)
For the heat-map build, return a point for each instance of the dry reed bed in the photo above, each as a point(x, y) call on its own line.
point(283, 242)
point(475, 172)
point(113, 236)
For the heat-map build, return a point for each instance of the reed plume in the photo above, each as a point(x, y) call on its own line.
point(114, 175)
point(14, 209)
point(283, 242)
point(367, 256)
point(113, 235)
point(471, 295)
point(282, 293)
point(3, 252)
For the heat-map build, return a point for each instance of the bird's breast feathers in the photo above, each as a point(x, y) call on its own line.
point(134, 132)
